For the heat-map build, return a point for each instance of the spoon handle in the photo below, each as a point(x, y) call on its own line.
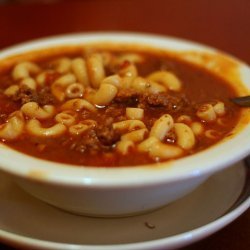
point(243, 101)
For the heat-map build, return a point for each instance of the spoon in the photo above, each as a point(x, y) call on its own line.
point(243, 101)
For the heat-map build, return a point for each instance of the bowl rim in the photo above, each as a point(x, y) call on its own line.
point(212, 159)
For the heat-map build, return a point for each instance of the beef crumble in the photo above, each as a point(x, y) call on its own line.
point(25, 94)
point(107, 135)
point(128, 97)
point(172, 103)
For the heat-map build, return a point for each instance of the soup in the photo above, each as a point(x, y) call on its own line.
point(110, 107)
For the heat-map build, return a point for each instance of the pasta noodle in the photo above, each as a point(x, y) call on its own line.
point(12, 90)
point(33, 110)
point(168, 79)
point(35, 128)
point(79, 69)
point(206, 112)
point(134, 113)
point(77, 105)
point(42, 77)
point(105, 94)
point(96, 69)
point(184, 119)
point(78, 129)
point(157, 149)
point(128, 125)
point(58, 87)
point(197, 128)
point(65, 118)
point(219, 108)
point(135, 136)
point(13, 128)
point(185, 136)
point(24, 69)
point(74, 90)
point(124, 146)
point(63, 65)
point(29, 83)
point(140, 84)
point(161, 127)
point(129, 71)
point(115, 80)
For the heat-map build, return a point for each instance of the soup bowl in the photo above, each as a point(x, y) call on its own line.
point(126, 190)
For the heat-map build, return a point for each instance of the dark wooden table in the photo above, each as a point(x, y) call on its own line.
point(224, 24)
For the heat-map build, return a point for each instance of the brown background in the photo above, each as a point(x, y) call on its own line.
point(224, 24)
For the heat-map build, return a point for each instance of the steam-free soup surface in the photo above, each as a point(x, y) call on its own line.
point(94, 107)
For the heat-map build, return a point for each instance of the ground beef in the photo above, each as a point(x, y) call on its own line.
point(107, 135)
point(43, 97)
point(171, 103)
point(115, 112)
point(93, 141)
point(88, 142)
point(128, 97)
point(131, 98)
point(25, 95)
point(156, 100)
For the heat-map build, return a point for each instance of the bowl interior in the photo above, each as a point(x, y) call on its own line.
point(208, 161)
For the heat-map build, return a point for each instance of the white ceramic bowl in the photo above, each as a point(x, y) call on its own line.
point(125, 190)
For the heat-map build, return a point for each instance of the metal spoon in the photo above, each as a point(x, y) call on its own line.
point(243, 101)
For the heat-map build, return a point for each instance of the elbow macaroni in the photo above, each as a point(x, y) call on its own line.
point(12, 90)
point(161, 127)
point(29, 83)
point(167, 79)
point(105, 94)
point(32, 110)
point(78, 129)
point(66, 118)
point(210, 113)
point(157, 149)
point(13, 128)
point(78, 104)
point(35, 128)
point(63, 65)
point(24, 70)
point(143, 85)
point(95, 69)
point(135, 136)
point(124, 146)
point(59, 86)
point(185, 136)
point(135, 113)
point(79, 69)
point(74, 90)
point(128, 125)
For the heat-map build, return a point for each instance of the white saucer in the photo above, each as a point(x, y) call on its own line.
point(30, 223)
